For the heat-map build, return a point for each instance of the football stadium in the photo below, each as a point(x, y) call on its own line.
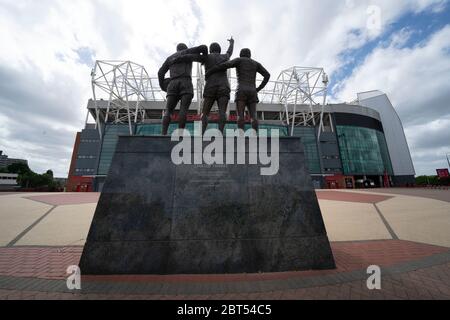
point(355, 144)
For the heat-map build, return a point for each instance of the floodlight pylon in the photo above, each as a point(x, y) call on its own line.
point(124, 85)
point(301, 86)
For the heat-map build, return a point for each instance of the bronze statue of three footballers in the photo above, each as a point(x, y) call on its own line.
point(217, 88)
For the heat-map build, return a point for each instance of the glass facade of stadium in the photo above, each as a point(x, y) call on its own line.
point(351, 151)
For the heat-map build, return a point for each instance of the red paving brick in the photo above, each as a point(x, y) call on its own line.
point(414, 285)
point(351, 197)
point(59, 199)
point(52, 262)
point(358, 255)
point(442, 194)
point(40, 262)
point(426, 283)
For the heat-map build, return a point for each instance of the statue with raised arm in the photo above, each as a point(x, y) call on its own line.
point(246, 93)
point(179, 86)
point(217, 87)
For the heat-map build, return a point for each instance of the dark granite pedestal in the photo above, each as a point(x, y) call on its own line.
point(154, 217)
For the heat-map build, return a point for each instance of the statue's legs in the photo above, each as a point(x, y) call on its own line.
point(253, 116)
point(221, 94)
point(240, 108)
point(206, 109)
point(178, 89)
point(186, 100)
point(172, 102)
point(222, 103)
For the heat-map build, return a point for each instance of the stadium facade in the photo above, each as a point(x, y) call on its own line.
point(347, 145)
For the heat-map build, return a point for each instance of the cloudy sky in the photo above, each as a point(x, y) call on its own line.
point(48, 48)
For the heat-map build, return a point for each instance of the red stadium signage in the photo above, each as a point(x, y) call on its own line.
point(443, 173)
point(212, 117)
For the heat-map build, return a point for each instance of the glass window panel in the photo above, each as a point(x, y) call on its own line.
point(308, 135)
point(113, 131)
point(363, 151)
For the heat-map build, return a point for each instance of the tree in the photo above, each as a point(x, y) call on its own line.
point(19, 168)
point(29, 179)
point(49, 173)
point(427, 180)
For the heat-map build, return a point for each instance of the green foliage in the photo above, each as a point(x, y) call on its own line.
point(20, 168)
point(432, 181)
point(426, 180)
point(49, 173)
point(29, 179)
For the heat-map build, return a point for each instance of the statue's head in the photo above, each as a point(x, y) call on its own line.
point(181, 47)
point(215, 48)
point(245, 53)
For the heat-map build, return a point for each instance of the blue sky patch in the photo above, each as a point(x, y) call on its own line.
point(420, 26)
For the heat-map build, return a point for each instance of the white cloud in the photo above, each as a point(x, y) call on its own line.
point(416, 81)
point(49, 83)
point(430, 144)
point(400, 38)
point(307, 33)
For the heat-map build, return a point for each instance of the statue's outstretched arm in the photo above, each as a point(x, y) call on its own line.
point(195, 54)
point(230, 47)
point(203, 49)
point(190, 58)
point(223, 66)
point(261, 70)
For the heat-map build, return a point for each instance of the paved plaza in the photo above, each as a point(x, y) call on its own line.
point(404, 231)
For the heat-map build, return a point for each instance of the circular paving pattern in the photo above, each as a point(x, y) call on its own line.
point(43, 234)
